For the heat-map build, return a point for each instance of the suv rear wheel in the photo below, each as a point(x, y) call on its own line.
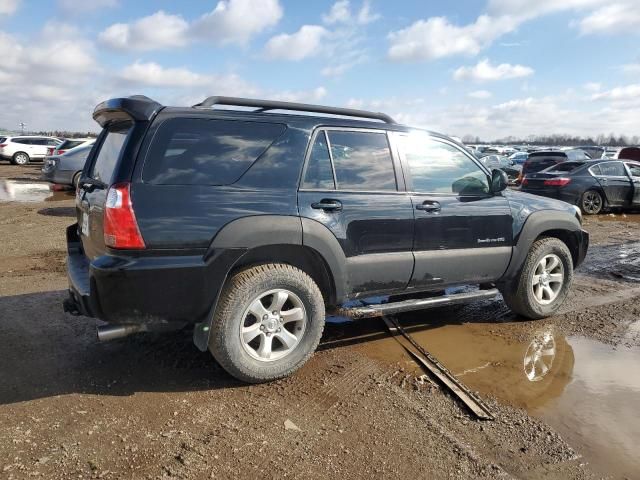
point(544, 282)
point(20, 158)
point(268, 322)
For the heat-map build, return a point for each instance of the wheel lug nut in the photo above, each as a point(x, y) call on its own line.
point(261, 327)
point(275, 312)
point(264, 317)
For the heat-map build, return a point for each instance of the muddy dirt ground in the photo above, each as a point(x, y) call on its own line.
point(153, 406)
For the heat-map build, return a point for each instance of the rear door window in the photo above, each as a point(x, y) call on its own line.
point(612, 169)
point(362, 160)
point(197, 151)
point(319, 174)
point(109, 153)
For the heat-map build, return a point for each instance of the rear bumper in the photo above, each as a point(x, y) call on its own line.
point(158, 289)
point(558, 194)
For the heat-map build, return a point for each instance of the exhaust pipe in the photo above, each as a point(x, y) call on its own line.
point(111, 332)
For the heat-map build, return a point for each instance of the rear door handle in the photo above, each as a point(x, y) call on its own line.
point(328, 205)
point(429, 206)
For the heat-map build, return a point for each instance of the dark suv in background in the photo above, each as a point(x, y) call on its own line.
point(246, 225)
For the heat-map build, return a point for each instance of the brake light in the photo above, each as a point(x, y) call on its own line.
point(49, 151)
point(557, 182)
point(120, 225)
point(60, 152)
point(2, 145)
point(524, 181)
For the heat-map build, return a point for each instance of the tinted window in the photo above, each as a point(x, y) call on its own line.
point(438, 167)
point(319, 173)
point(39, 141)
point(612, 169)
point(23, 141)
point(109, 153)
point(577, 155)
point(595, 170)
point(194, 151)
point(362, 161)
point(52, 142)
point(540, 161)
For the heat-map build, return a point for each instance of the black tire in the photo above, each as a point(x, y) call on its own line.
point(522, 299)
point(240, 291)
point(76, 179)
point(20, 158)
point(592, 202)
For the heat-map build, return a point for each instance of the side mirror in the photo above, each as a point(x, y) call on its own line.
point(499, 181)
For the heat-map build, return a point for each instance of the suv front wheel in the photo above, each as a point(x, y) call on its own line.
point(544, 281)
point(267, 323)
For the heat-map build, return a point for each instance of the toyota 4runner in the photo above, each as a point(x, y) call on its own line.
point(247, 222)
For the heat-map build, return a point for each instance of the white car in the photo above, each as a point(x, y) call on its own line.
point(24, 148)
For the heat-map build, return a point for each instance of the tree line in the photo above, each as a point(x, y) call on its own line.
point(610, 140)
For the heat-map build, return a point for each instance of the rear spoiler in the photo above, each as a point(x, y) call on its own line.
point(136, 107)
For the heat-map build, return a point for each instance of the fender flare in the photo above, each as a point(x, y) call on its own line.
point(536, 224)
point(246, 233)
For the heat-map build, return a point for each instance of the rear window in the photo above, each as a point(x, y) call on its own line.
point(68, 144)
point(109, 152)
point(195, 151)
point(540, 161)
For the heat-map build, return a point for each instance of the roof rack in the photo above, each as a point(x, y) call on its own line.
point(265, 105)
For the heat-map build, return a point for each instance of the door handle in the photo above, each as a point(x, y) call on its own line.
point(327, 205)
point(603, 180)
point(429, 206)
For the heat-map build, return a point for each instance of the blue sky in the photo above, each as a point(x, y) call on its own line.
point(490, 68)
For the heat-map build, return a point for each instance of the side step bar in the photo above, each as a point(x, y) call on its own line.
point(380, 309)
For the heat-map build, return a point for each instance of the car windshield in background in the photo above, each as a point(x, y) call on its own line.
point(564, 167)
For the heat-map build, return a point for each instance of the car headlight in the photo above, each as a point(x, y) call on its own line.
point(578, 213)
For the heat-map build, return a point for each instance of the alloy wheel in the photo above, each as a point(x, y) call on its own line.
point(547, 279)
point(273, 325)
point(592, 202)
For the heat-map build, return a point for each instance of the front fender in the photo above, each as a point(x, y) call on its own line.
point(536, 224)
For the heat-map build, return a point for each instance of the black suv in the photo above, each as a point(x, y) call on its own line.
point(245, 224)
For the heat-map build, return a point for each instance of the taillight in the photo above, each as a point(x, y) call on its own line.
point(524, 181)
point(60, 152)
point(557, 182)
point(49, 151)
point(2, 145)
point(120, 225)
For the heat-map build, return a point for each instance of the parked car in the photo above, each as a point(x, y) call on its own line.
point(538, 161)
point(503, 163)
point(21, 150)
point(592, 185)
point(519, 157)
point(68, 144)
point(249, 224)
point(594, 151)
point(65, 169)
point(629, 153)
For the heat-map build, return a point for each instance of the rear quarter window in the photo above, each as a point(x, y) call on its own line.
point(105, 163)
point(197, 151)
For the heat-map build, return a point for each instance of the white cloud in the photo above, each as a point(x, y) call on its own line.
point(304, 43)
point(152, 74)
point(71, 6)
point(633, 68)
point(157, 31)
point(236, 21)
point(614, 18)
point(626, 93)
point(592, 86)
point(436, 37)
point(314, 95)
point(8, 7)
point(485, 71)
point(230, 22)
point(480, 94)
point(340, 12)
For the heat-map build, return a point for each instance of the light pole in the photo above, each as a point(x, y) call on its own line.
point(22, 125)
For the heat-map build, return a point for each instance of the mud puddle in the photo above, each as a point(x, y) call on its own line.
point(587, 391)
point(29, 192)
point(614, 261)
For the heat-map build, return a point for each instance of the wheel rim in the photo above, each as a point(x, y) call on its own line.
point(547, 279)
point(21, 159)
point(273, 325)
point(592, 202)
point(539, 357)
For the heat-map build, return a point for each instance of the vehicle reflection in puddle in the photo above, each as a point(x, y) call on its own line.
point(589, 392)
point(23, 192)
